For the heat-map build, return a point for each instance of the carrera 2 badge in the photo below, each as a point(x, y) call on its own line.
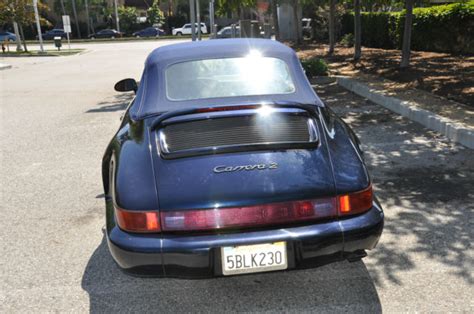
point(264, 166)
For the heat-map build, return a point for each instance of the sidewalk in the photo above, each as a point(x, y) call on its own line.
point(452, 119)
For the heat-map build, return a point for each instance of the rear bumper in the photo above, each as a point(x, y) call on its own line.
point(198, 256)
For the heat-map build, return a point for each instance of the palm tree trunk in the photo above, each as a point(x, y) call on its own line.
point(297, 22)
point(357, 31)
point(275, 19)
point(18, 37)
point(407, 34)
point(87, 17)
point(23, 37)
point(332, 17)
point(62, 7)
point(75, 18)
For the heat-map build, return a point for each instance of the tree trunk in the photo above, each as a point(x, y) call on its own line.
point(357, 31)
point(297, 23)
point(407, 35)
point(23, 37)
point(62, 7)
point(87, 17)
point(18, 37)
point(275, 19)
point(332, 17)
point(74, 11)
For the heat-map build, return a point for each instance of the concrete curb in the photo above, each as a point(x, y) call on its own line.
point(453, 130)
point(4, 66)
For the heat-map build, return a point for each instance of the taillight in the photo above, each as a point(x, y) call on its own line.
point(355, 203)
point(249, 216)
point(138, 221)
point(245, 217)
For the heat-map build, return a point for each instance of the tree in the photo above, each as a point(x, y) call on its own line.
point(357, 31)
point(407, 34)
point(154, 14)
point(225, 6)
point(128, 18)
point(19, 11)
point(332, 22)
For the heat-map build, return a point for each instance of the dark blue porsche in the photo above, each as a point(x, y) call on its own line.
point(226, 162)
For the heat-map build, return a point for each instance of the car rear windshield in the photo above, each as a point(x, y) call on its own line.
point(228, 77)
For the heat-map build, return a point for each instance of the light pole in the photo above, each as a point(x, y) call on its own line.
point(116, 16)
point(211, 17)
point(38, 25)
point(198, 15)
point(192, 12)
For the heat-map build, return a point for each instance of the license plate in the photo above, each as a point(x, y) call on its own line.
point(253, 258)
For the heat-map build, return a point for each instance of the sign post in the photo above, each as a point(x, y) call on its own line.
point(67, 28)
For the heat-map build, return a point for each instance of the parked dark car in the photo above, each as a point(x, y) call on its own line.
point(7, 36)
point(49, 35)
point(226, 162)
point(226, 32)
point(149, 32)
point(106, 33)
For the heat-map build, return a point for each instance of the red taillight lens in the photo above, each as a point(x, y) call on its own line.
point(242, 217)
point(249, 216)
point(137, 221)
point(355, 203)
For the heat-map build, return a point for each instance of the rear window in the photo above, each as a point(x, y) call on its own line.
point(228, 77)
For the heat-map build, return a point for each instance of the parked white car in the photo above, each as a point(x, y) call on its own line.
point(186, 29)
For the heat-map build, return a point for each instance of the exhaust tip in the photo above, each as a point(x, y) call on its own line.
point(356, 256)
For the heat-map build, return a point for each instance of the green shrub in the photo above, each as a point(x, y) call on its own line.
point(347, 40)
point(444, 28)
point(315, 67)
point(128, 18)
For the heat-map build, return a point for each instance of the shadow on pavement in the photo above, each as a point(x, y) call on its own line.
point(339, 286)
point(118, 103)
point(425, 184)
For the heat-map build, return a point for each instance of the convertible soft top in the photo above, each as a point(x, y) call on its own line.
point(151, 96)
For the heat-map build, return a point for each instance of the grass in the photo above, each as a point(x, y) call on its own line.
point(101, 40)
point(49, 52)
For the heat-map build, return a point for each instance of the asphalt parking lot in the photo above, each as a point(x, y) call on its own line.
point(57, 116)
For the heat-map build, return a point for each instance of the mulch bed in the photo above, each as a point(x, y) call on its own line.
point(446, 75)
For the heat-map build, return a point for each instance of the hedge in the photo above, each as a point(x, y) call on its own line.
point(443, 28)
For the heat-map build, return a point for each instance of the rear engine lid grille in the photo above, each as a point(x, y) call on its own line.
point(237, 133)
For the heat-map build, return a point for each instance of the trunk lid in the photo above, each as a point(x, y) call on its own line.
point(274, 167)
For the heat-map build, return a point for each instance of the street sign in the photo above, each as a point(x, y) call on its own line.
point(66, 24)
point(67, 28)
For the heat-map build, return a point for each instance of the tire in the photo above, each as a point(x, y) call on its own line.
point(137, 36)
point(179, 34)
point(92, 38)
point(113, 37)
point(11, 40)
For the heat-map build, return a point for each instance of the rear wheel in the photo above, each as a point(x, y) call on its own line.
point(92, 37)
point(179, 34)
point(113, 37)
point(137, 36)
